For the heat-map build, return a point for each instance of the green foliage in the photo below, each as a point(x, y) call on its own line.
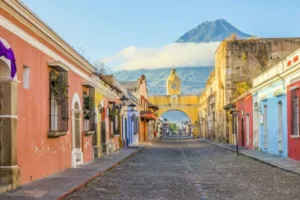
point(59, 87)
point(117, 132)
point(113, 113)
point(242, 87)
point(244, 56)
point(88, 105)
point(173, 127)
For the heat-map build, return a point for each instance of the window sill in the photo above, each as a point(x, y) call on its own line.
point(295, 136)
point(54, 134)
point(88, 133)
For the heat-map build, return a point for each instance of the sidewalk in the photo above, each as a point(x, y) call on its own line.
point(286, 164)
point(63, 183)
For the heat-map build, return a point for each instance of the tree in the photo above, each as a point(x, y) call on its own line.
point(101, 68)
point(173, 127)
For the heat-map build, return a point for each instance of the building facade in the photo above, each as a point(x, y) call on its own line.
point(55, 110)
point(237, 62)
point(43, 94)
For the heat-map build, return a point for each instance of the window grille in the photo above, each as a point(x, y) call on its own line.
point(59, 114)
point(90, 121)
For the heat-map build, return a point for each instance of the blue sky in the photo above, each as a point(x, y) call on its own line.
point(102, 28)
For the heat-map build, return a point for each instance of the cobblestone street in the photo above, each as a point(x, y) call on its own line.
point(191, 169)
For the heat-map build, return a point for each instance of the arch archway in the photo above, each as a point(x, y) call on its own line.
point(189, 112)
point(179, 123)
point(9, 171)
point(77, 154)
point(171, 115)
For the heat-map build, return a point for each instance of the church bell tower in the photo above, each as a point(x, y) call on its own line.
point(173, 83)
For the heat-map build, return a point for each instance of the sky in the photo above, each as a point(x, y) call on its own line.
point(139, 33)
point(175, 116)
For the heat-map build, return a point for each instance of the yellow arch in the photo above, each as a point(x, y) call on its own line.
point(190, 112)
point(187, 104)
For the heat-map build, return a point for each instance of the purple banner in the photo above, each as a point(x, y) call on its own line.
point(9, 54)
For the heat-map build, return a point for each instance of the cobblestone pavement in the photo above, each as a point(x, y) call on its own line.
point(190, 169)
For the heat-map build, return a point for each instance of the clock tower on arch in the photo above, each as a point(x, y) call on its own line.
point(173, 83)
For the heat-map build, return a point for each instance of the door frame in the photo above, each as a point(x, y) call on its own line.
point(76, 154)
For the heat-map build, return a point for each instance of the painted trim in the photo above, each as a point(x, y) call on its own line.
point(264, 98)
point(8, 116)
point(76, 99)
point(9, 167)
point(294, 87)
point(7, 80)
point(294, 80)
point(24, 15)
point(38, 45)
point(59, 64)
point(278, 93)
point(295, 136)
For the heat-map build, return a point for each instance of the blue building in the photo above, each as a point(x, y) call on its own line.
point(130, 122)
point(270, 115)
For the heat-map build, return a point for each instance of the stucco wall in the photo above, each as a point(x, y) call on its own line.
point(272, 115)
point(293, 143)
point(39, 156)
point(241, 60)
point(244, 106)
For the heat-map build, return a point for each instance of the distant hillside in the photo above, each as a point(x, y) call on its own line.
point(192, 78)
point(211, 31)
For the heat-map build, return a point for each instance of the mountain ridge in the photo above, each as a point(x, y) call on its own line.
point(193, 79)
point(211, 31)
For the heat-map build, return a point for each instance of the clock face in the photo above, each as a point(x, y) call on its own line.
point(173, 86)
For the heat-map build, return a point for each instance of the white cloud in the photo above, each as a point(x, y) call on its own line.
point(177, 54)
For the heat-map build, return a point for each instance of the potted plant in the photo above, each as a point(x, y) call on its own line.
point(113, 113)
point(88, 111)
point(59, 87)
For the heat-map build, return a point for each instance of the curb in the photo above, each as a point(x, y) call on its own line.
point(254, 158)
point(72, 190)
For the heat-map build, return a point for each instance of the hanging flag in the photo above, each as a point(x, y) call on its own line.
point(8, 53)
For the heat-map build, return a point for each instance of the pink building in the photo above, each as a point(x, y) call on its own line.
point(41, 112)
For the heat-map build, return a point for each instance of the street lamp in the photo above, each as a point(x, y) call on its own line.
point(231, 107)
point(123, 99)
point(131, 105)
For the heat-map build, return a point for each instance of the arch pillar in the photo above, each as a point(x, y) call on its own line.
point(76, 154)
point(9, 170)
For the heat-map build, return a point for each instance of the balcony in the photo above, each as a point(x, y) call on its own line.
point(148, 114)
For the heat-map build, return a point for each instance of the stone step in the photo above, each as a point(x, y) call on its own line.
point(5, 187)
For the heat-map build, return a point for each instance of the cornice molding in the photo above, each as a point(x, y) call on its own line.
point(19, 11)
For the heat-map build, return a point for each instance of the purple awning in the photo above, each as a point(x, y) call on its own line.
point(9, 54)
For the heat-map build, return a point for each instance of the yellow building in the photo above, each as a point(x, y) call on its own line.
point(97, 135)
point(174, 100)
